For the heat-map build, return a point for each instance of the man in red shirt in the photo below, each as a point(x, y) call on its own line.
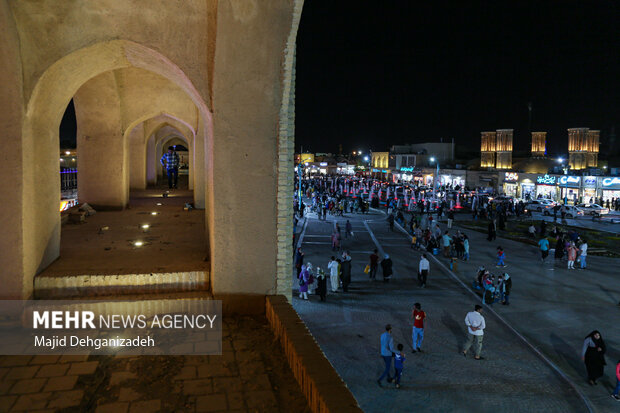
point(419, 320)
point(374, 263)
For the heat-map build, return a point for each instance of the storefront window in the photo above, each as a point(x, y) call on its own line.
point(528, 191)
point(546, 191)
point(610, 194)
point(510, 189)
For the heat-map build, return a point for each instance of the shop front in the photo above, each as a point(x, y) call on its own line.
point(451, 180)
point(610, 188)
point(569, 189)
point(510, 186)
point(588, 190)
point(546, 187)
point(528, 189)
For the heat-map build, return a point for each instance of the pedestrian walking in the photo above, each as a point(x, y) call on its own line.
point(450, 218)
point(571, 255)
point(390, 220)
point(334, 272)
point(386, 267)
point(465, 248)
point(505, 285)
point(335, 241)
point(475, 332)
point(303, 282)
point(348, 228)
point(171, 161)
point(501, 256)
point(299, 260)
point(387, 352)
point(617, 390)
point(374, 264)
point(491, 231)
point(345, 271)
point(446, 241)
point(321, 283)
point(583, 248)
point(593, 355)
point(399, 360)
point(543, 244)
point(419, 321)
point(423, 270)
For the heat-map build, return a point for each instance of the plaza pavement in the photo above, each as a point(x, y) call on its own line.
point(552, 309)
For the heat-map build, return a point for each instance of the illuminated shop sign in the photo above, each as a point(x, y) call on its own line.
point(511, 176)
point(589, 181)
point(569, 180)
point(406, 169)
point(323, 164)
point(545, 180)
point(611, 181)
point(385, 171)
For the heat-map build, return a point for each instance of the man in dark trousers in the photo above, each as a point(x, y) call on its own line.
point(345, 271)
point(492, 231)
point(171, 161)
point(374, 264)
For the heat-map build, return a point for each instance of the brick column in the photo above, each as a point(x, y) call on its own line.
point(286, 150)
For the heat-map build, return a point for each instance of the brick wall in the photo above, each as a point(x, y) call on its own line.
point(322, 386)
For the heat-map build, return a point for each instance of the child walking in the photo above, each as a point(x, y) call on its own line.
point(501, 256)
point(399, 359)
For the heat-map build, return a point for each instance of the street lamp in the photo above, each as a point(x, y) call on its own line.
point(436, 176)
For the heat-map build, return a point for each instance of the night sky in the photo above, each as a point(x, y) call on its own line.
point(373, 74)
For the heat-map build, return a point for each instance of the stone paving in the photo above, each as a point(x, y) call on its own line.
point(251, 375)
point(511, 378)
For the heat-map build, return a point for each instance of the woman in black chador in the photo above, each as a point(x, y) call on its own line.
point(593, 354)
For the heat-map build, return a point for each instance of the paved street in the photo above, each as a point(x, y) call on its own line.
point(552, 308)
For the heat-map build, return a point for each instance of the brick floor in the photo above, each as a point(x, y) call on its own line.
point(260, 381)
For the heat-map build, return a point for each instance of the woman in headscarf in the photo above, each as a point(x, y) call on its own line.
point(593, 354)
point(321, 283)
point(334, 274)
point(386, 267)
point(310, 270)
point(303, 282)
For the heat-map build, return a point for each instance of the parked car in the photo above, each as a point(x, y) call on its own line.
point(592, 209)
point(540, 205)
point(572, 211)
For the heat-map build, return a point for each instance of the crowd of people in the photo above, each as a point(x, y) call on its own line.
point(428, 236)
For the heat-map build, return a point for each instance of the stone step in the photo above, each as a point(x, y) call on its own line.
point(91, 285)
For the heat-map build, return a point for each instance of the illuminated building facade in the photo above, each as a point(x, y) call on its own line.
point(504, 149)
point(487, 149)
point(380, 159)
point(496, 149)
point(583, 146)
point(539, 143)
point(592, 143)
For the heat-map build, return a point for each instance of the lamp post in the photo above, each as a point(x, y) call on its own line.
point(436, 177)
point(566, 168)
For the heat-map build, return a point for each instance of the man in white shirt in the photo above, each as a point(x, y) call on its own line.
point(423, 269)
point(475, 331)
